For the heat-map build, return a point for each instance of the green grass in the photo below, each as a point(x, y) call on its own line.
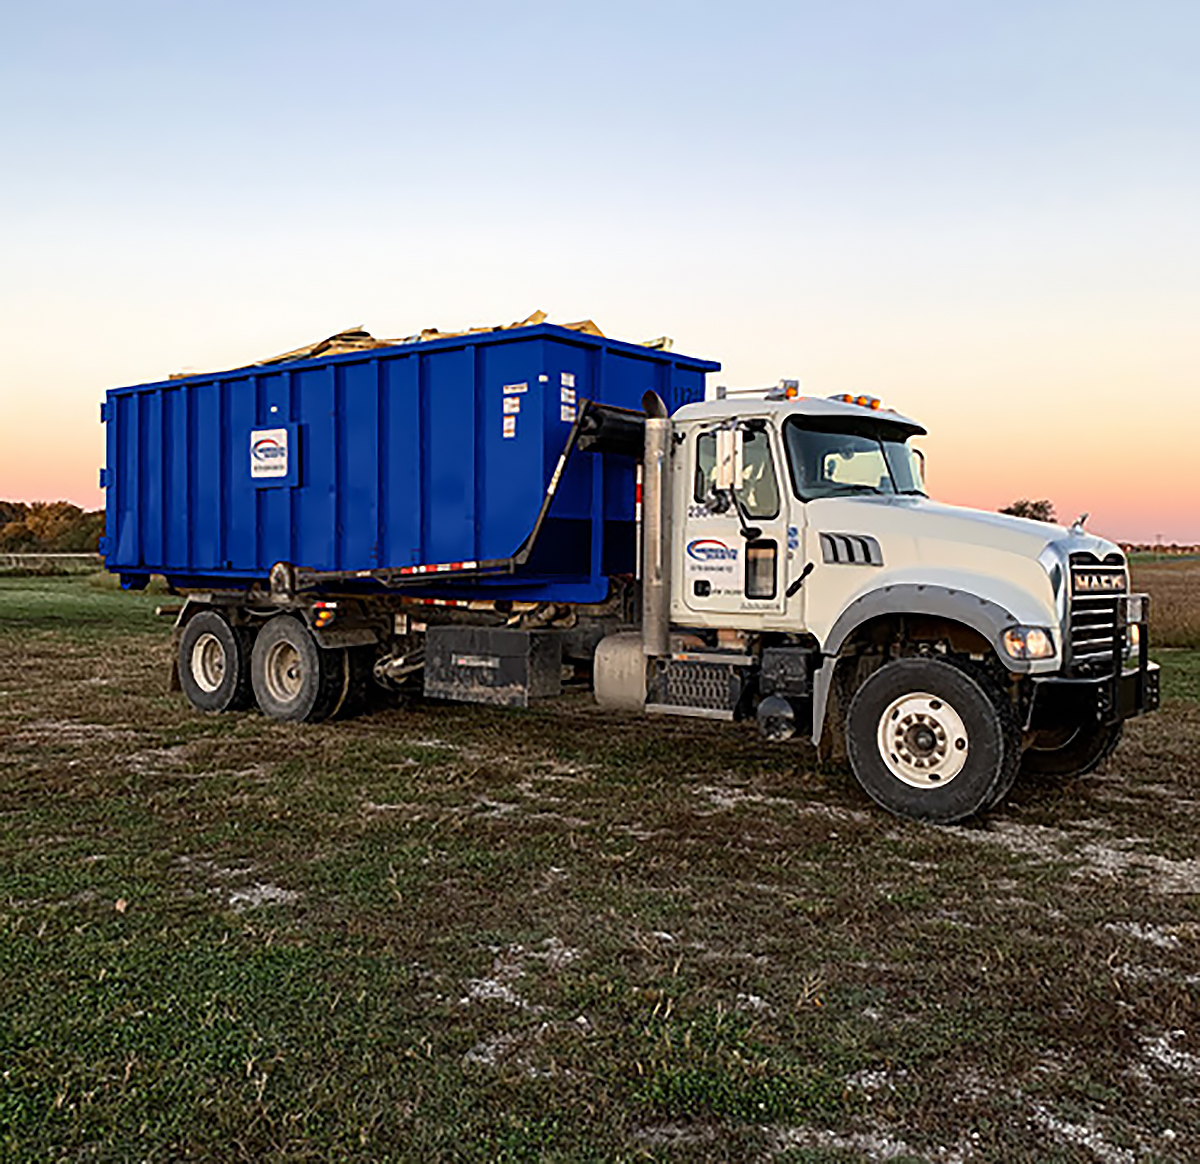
point(1180, 674)
point(87, 605)
point(446, 932)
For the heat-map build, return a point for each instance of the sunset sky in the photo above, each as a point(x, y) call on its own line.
point(985, 213)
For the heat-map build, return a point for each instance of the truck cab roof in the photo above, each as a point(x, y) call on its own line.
point(817, 407)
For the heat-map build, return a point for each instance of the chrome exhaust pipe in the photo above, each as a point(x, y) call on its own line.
point(656, 561)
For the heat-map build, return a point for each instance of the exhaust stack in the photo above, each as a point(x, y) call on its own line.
point(656, 563)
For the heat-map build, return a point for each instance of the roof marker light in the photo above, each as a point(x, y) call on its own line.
point(870, 402)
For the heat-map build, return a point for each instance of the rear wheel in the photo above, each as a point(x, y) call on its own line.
point(928, 741)
point(214, 663)
point(1067, 753)
point(294, 679)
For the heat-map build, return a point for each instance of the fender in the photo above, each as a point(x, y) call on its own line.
point(989, 618)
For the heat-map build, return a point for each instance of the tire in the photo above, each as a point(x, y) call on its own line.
point(1083, 751)
point(293, 678)
point(214, 663)
point(928, 741)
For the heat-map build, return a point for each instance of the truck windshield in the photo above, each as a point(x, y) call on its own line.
point(831, 463)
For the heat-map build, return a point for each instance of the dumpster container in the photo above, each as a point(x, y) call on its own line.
point(433, 458)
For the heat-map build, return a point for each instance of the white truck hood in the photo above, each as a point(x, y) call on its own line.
point(1002, 559)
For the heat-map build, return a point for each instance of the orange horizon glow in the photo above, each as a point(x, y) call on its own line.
point(28, 473)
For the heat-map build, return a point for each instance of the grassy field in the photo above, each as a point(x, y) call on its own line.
point(1174, 588)
point(445, 932)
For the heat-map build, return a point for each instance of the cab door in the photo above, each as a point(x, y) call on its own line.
point(723, 571)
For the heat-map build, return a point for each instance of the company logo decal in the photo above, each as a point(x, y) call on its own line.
point(267, 449)
point(711, 550)
point(269, 452)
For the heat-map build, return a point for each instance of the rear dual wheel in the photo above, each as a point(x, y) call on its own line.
point(214, 663)
point(294, 678)
point(929, 740)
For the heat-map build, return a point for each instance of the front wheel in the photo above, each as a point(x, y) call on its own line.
point(1069, 753)
point(295, 679)
point(927, 741)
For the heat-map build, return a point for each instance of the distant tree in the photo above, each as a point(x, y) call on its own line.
point(12, 511)
point(15, 537)
point(51, 527)
point(1042, 510)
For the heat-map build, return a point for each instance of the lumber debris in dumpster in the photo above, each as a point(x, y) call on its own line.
point(356, 339)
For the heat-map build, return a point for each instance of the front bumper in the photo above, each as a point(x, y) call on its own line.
point(1106, 698)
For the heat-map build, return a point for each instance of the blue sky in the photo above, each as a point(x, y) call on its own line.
point(985, 213)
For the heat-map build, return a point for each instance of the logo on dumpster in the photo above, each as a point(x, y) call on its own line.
point(268, 449)
point(269, 452)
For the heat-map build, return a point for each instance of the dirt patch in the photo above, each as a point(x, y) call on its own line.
point(1090, 859)
point(68, 733)
point(259, 894)
point(863, 1145)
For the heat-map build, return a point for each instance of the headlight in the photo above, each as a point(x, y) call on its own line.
point(1028, 642)
point(1133, 640)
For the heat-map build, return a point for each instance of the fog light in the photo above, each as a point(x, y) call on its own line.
point(1028, 642)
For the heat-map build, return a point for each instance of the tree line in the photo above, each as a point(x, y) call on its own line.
point(58, 527)
point(49, 527)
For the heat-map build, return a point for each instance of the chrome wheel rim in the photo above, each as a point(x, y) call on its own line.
point(284, 672)
point(923, 740)
point(208, 662)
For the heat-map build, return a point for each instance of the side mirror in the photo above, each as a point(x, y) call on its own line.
point(718, 500)
point(728, 474)
point(921, 460)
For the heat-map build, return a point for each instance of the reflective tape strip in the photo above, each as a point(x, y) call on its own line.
point(440, 568)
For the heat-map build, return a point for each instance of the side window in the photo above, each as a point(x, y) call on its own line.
point(706, 464)
point(759, 491)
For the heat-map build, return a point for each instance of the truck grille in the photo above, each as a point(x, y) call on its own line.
point(1095, 589)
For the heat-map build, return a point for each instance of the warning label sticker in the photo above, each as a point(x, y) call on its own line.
point(512, 404)
point(510, 426)
point(515, 389)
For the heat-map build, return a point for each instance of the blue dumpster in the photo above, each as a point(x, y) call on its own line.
point(427, 465)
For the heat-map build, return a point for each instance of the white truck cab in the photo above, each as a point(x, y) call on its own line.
point(815, 586)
